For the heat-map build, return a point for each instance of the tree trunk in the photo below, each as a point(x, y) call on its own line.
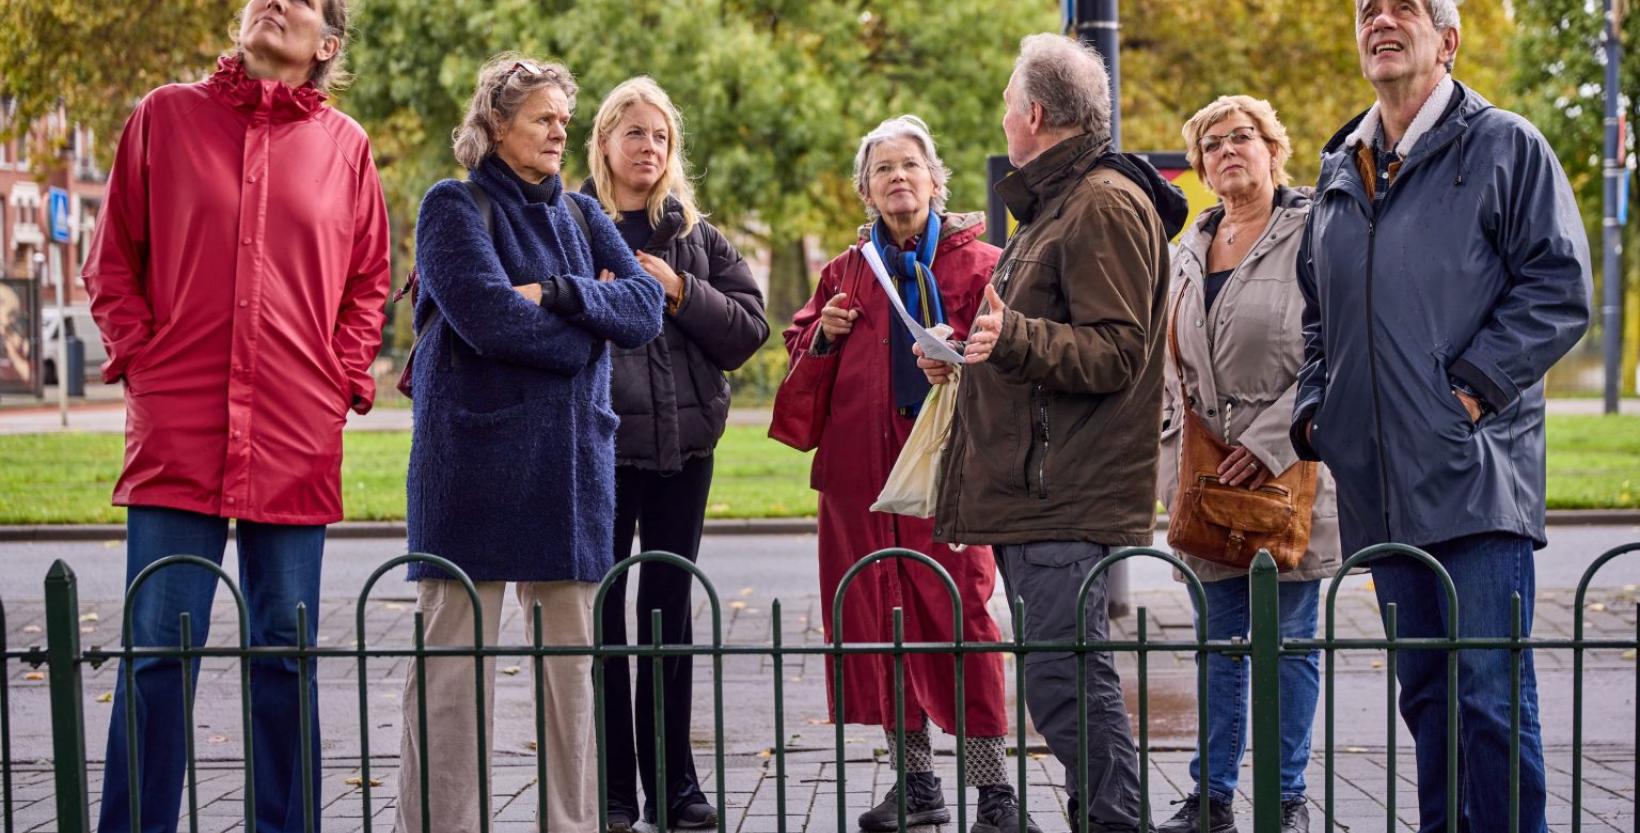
point(790, 283)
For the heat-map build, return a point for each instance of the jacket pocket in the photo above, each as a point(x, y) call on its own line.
point(1449, 399)
point(1036, 452)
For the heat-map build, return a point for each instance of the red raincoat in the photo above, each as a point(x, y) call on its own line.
point(861, 440)
point(239, 273)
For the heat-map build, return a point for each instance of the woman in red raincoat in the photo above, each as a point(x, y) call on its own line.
point(238, 274)
point(942, 267)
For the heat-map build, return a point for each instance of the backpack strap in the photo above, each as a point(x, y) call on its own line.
point(579, 217)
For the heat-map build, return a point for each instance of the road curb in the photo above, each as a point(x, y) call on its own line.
point(754, 526)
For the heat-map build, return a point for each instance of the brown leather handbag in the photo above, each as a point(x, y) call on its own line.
point(1230, 524)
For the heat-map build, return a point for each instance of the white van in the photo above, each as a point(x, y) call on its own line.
point(81, 324)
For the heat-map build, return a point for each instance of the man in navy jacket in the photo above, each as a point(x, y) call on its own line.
point(1445, 269)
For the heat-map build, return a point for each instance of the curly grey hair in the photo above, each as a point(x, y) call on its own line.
point(500, 93)
point(1068, 79)
point(902, 127)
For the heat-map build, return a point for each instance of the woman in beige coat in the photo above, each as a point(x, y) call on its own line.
point(1236, 308)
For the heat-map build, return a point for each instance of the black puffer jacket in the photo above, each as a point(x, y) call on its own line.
point(671, 394)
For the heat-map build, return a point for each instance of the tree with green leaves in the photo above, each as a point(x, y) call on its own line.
point(96, 58)
point(1559, 79)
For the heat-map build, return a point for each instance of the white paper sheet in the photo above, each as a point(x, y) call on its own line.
point(933, 346)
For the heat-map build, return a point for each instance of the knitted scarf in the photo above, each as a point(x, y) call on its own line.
point(913, 272)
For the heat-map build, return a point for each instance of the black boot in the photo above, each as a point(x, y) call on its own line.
point(924, 804)
point(999, 812)
point(1295, 816)
point(1221, 818)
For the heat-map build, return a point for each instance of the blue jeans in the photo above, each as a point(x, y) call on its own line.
point(1486, 570)
point(278, 567)
point(1227, 677)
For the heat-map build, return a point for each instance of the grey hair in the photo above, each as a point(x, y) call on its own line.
point(902, 127)
point(500, 94)
point(1444, 14)
point(1068, 79)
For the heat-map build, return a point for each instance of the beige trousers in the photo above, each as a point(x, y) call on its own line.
point(452, 754)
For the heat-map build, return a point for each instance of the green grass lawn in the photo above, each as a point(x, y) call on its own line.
point(1594, 463)
point(67, 478)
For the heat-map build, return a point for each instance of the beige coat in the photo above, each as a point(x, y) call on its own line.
point(1250, 346)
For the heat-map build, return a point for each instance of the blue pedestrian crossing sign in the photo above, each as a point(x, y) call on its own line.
point(57, 214)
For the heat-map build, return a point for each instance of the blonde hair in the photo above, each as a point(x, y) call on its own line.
point(1264, 119)
point(502, 89)
point(674, 181)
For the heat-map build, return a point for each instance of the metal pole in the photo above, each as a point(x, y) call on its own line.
point(55, 270)
point(1264, 606)
point(1612, 230)
point(67, 704)
point(1097, 23)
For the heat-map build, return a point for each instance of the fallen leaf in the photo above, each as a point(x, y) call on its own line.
point(217, 739)
point(393, 605)
point(90, 617)
point(766, 754)
point(737, 605)
point(794, 679)
point(31, 629)
point(530, 745)
point(1355, 749)
point(1628, 656)
point(34, 676)
point(356, 781)
point(106, 697)
point(511, 670)
point(746, 591)
point(1377, 663)
point(1598, 607)
point(1630, 588)
point(88, 629)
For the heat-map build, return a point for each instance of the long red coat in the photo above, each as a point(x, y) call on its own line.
point(239, 273)
point(858, 447)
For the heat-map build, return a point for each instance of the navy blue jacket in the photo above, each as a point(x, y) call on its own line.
point(1473, 268)
point(512, 458)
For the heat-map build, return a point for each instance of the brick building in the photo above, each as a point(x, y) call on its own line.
point(23, 225)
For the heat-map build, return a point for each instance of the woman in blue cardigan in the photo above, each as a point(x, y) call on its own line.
point(512, 460)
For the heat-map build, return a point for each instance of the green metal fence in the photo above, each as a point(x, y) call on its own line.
point(66, 659)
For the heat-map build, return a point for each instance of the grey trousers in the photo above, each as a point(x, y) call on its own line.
point(1048, 575)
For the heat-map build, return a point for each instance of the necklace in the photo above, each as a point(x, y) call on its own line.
point(1230, 237)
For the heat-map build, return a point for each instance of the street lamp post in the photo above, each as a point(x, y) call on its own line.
point(1097, 23)
point(1615, 170)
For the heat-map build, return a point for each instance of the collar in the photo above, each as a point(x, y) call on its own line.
point(1428, 116)
point(1045, 176)
point(500, 174)
point(248, 95)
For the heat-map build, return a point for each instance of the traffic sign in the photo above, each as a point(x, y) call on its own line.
point(57, 213)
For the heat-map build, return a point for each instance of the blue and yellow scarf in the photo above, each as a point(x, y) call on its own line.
point(913, 272)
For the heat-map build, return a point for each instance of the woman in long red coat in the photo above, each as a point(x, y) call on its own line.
point(238, 274)
point(942, 266)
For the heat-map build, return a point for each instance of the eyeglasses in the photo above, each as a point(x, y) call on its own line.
point(1237, 138)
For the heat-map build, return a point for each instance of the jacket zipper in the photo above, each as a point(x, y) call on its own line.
point(1042, 459)
point(1372, 367)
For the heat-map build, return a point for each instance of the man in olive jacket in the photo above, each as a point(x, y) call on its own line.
point(1444, 270)
point(1052, 456)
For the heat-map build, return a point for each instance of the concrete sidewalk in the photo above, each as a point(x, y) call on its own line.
point(1363, 784)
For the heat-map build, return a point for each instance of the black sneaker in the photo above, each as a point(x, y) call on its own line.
point(619, 822)
point(999, 812)
point(1295, 816)
point(924, 804)
point(1221, 818)
point(699, 815)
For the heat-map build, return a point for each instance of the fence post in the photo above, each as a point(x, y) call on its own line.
point(67, 705)
point(1266, 643)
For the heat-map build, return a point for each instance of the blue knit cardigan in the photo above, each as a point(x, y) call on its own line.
point(512, 457)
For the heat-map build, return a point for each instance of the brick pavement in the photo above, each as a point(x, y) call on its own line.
point(1362, 784)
